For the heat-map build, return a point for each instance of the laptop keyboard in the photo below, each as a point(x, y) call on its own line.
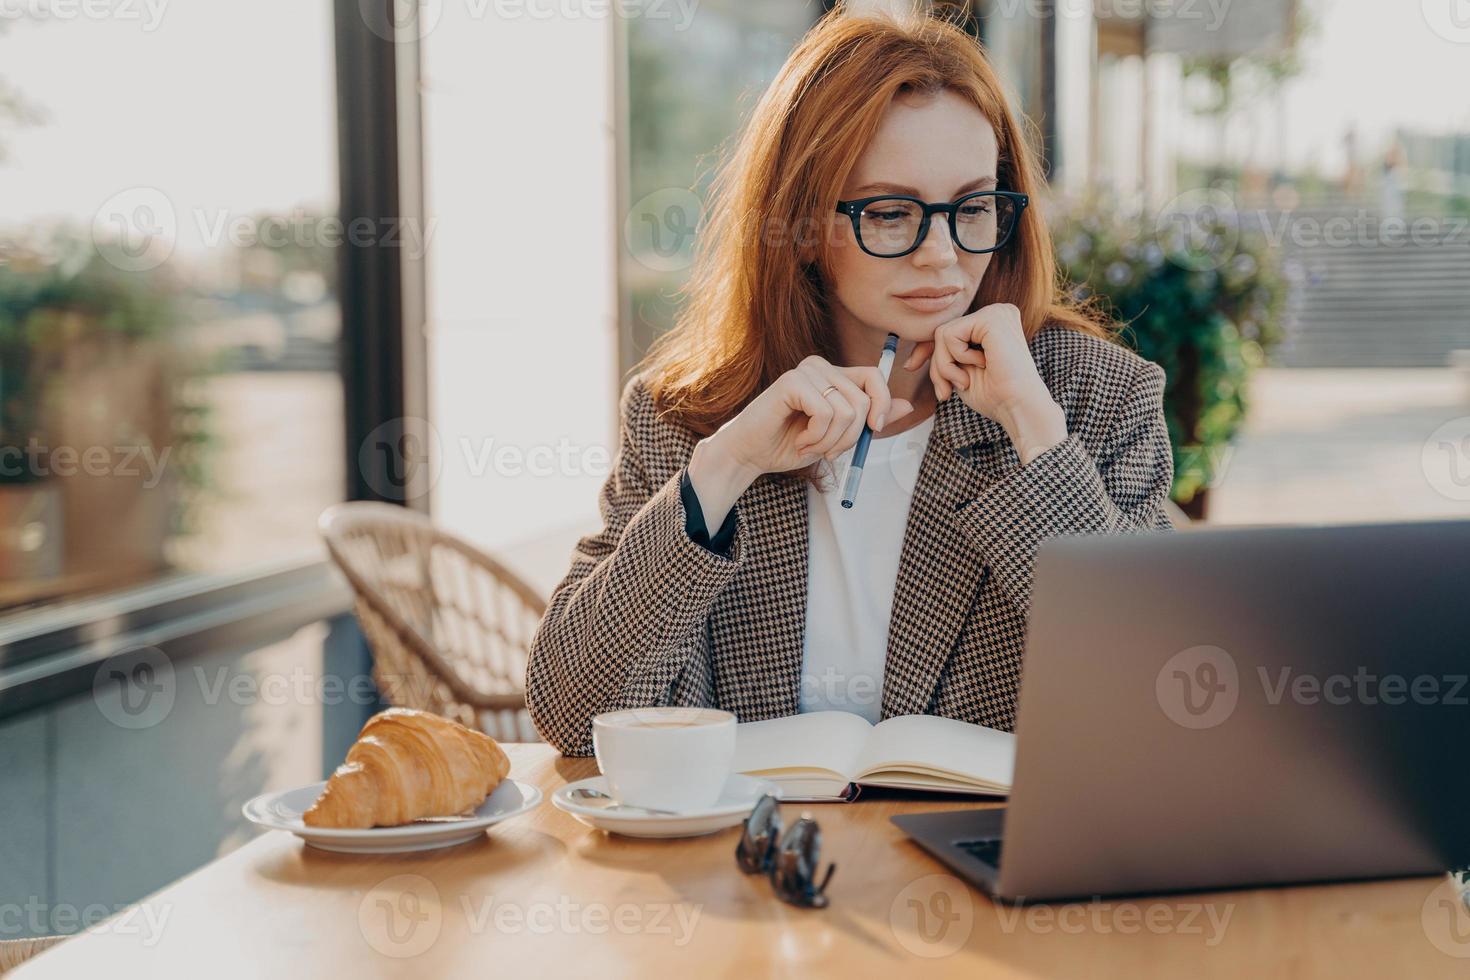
point(987, 850)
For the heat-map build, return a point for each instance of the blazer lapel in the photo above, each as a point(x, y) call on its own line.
point(939, 571)
point(768, 617)
point(939, 574)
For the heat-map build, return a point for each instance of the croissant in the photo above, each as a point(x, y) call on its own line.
point(408, 764)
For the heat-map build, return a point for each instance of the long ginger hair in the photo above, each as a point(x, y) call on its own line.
point(755, 302)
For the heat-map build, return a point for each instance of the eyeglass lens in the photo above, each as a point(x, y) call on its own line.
point(891, 226)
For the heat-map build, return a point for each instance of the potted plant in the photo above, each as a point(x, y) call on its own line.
point(1201, 295)
point(30, 503)
point(103, 442)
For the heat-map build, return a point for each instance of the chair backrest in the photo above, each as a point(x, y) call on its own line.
point(14, 952)
point(450, 627)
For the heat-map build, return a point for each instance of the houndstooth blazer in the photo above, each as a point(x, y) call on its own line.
point(646, 616)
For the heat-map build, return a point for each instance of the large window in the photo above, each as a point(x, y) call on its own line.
point(169, 399)
point(689, 86)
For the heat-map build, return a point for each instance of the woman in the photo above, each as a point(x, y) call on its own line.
point(726, 572)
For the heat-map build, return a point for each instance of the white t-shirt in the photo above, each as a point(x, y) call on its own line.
point(852, 569)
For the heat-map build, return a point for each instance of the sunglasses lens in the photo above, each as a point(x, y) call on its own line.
point(794, 874)
point(758, 838)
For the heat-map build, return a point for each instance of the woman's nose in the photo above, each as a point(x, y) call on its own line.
point(937, 249)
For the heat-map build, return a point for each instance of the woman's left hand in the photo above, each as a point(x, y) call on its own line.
point(998, 380)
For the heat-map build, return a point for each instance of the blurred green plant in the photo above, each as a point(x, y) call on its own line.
point(1199, 295)
point(58, 291)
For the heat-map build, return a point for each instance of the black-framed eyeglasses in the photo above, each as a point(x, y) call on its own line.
point(790, 858)
point(893, 225)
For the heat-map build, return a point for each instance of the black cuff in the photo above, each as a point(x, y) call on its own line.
point(694, 524)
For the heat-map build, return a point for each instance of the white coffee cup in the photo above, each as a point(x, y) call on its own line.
point(665, 758)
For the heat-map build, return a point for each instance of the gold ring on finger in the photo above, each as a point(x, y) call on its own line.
point(828, 390)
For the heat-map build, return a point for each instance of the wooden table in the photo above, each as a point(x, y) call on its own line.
point(542, 895)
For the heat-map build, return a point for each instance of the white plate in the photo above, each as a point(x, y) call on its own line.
point(736, 801)
point(282, 811)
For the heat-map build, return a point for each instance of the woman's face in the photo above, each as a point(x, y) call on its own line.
point(936, 148)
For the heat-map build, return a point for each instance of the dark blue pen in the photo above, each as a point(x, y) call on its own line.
point(860, 451)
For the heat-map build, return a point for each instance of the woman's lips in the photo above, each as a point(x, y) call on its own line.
point(929, 304)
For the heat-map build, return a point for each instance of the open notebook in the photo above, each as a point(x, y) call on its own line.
point(827, 754)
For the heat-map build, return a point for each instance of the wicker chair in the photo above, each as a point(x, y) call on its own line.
point(449, 626)
point(14, 952)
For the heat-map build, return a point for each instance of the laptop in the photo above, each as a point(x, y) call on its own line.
point(1232, 707)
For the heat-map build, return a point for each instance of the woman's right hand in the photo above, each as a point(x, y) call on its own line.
point(815, 410)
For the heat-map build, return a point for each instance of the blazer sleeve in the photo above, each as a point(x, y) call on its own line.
point(1067, 490)
point(629, 615)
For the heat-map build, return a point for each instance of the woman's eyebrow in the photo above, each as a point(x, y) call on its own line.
point(884, 187)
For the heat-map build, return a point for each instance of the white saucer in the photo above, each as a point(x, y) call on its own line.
point(282, 811)
point(736, 801)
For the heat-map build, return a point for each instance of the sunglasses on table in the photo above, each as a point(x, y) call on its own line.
point(789, 858)
point(893, 225)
